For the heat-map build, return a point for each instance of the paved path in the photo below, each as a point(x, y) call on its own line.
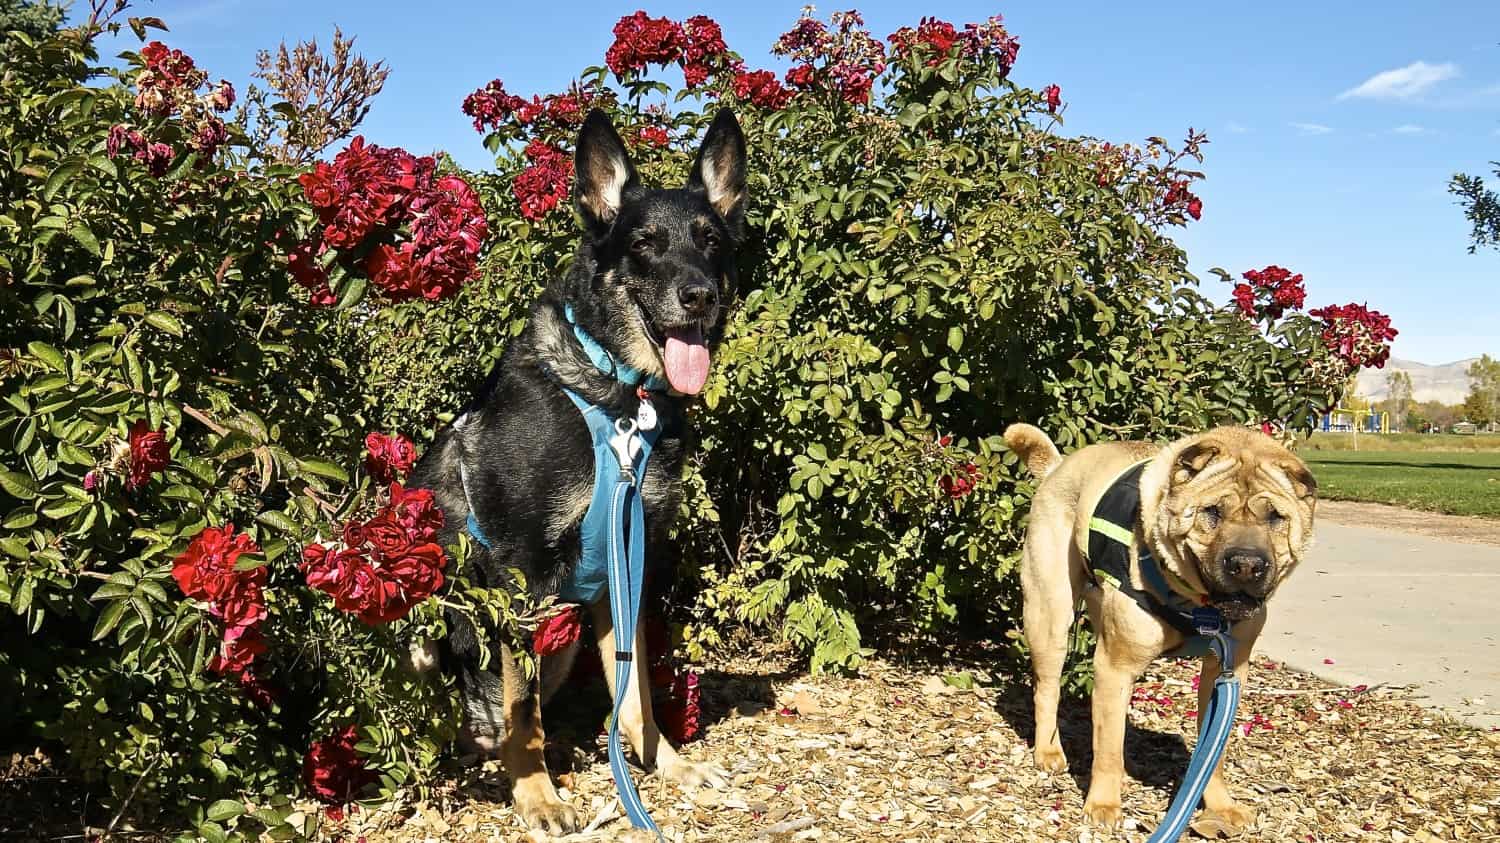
point(1397, 608)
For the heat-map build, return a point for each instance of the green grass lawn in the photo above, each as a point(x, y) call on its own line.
point(1401, 442)
point(1456, 482)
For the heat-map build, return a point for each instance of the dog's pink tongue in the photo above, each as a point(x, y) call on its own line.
point(687, 360)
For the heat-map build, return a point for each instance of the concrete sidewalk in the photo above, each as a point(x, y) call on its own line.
point(1396, 608)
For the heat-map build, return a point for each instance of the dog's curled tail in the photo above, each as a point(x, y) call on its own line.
point(1034, 447)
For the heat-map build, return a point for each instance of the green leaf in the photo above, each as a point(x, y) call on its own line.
point(164, 321)
point(272, 518)
point(323, 469)
point(85, 237)
point(224, 809)
point(353, 292)
point(18, 485)
point(48, 355)
point(109, 618)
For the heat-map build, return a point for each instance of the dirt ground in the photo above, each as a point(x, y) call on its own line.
point(901, 755)
point(1457, 528)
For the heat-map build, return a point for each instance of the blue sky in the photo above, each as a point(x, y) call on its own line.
point(1334, 125)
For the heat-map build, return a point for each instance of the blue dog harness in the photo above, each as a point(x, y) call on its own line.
point(613, 536)
point(1112, 535)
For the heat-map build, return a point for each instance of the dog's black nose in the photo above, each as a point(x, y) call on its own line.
point(698, 298)
point(1246, 565)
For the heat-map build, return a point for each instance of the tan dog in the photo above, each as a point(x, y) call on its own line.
point(1226, 515)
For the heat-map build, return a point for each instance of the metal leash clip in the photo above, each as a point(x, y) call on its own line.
point(626, 444)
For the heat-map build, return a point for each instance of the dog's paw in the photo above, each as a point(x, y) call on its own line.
point(1230, 820)
point(1102, 812)
point(694, 774)
point(1050, 759)
point(542, 810)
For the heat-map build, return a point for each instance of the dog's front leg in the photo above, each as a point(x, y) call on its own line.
point(1216, 799)
point(521, 751)
point(637, 721)
point(1116, 666)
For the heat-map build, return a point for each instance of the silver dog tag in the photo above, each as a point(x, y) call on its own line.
point(645, 417)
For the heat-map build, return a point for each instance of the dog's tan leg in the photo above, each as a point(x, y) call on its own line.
point(536, 800)
point(1049, 591)
point(1216, 799)
point(637, 722)
point(1116, 666)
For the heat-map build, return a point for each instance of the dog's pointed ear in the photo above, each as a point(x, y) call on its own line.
point(603, 173)
point(1192, 460)
point(720, 169)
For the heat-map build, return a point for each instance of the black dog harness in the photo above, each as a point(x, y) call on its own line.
point(1112, 535)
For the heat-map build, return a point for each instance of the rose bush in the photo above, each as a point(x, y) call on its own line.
point(176, 435)
point(218, 369)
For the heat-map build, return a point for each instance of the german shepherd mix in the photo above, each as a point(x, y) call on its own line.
point(649, 283)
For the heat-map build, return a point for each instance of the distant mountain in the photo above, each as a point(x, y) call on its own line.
point(1448, 383)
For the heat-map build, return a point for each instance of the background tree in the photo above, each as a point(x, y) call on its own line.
point(1398, 398)
point(1435, 413)
point(1481, 207)
point(1482, 406)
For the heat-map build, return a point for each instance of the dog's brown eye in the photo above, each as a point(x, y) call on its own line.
point(1213, 514)
point(1275, 519)
point(643, 244)
point(710, 239)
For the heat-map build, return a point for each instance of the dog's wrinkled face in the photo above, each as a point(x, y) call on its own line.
point(664, 258)
point(1236, 516)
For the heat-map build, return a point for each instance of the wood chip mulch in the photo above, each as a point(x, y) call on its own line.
point(900, 754)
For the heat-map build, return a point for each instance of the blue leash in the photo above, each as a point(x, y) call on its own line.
point(1214, 737)
point(626, 575)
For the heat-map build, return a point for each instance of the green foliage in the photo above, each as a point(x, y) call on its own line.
point(1481, 207)
point(932, 265)
point(34, 20)
point(130, 298)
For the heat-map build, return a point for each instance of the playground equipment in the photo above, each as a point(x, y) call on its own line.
point(1366, 421)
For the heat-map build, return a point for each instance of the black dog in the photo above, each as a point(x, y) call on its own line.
point(649, 284)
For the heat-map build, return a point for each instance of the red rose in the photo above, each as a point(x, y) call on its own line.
point(1054, 98)
point(149, 453)
point(391, 563)
point(1244, 299)
point(800, 76)
point(334, 771)
point(654, 136)
point(556, 631)
point(318, 186)
point(389, 457)
point(244, 607)
point(1195, 208)
point(205, 570)
point(238, 651)
point(222, 97)
point(642, 40)
point(157, 157)
point(416, 511)
point(327, 569)
point(761, 88)
point(491, 106)
point(960, 483)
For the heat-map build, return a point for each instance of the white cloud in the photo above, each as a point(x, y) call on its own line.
point(1409, 129)
point(1402, 83)
point(1312, 128)
point(1236, 128)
